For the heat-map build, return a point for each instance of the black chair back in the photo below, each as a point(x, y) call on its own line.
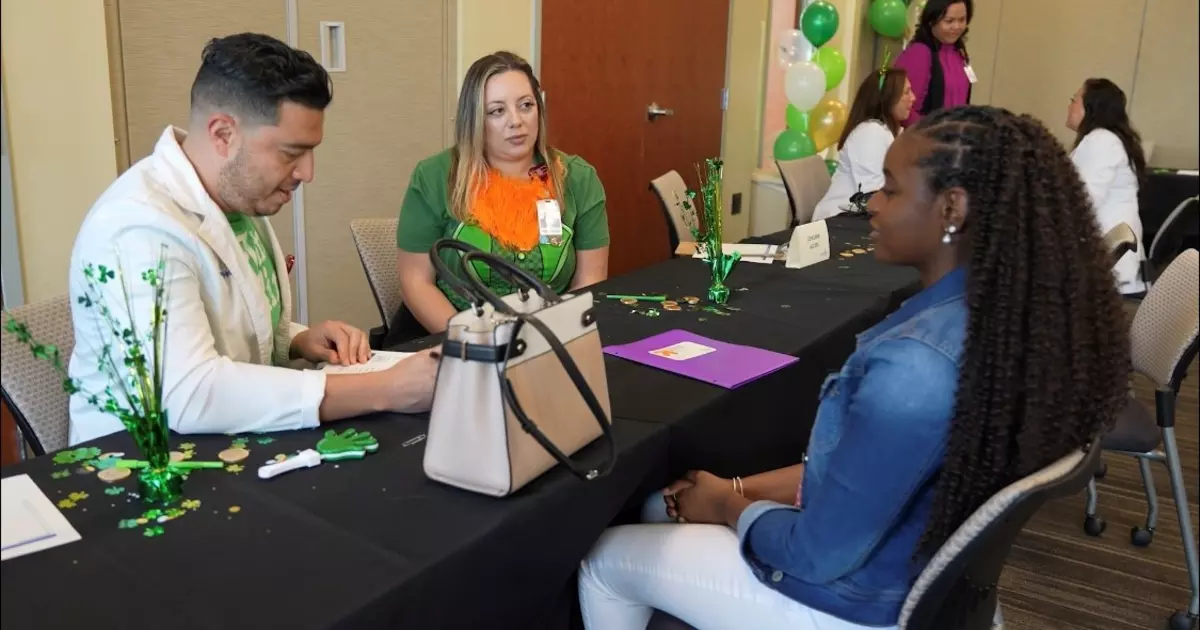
point(961, 579)
point(1169, 241)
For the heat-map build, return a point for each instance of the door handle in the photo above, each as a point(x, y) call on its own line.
point(654, 111)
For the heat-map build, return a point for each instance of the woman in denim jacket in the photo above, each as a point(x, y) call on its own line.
point(1014, 354)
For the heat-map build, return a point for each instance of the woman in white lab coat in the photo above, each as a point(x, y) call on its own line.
point(1108, 155)
point(882, 102)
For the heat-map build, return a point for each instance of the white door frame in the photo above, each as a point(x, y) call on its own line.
point(11, 284)
point(298, 233)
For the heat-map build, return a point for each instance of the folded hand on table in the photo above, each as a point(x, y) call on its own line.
point(332, 342)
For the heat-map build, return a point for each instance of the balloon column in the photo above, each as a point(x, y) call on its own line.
point(814, 119)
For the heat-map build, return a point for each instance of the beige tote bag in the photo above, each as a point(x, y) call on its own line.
point(521, 384)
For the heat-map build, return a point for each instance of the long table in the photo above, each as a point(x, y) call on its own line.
point(374, 543)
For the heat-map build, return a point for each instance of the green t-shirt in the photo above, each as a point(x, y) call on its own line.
point(425, 218)
point(262, 261)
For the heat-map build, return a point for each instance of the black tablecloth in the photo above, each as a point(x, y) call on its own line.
point(373, 543)
point(1164, 191)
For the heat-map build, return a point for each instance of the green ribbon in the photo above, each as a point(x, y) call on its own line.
point(883, 69)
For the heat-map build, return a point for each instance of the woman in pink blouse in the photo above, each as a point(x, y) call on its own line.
point(936, 59)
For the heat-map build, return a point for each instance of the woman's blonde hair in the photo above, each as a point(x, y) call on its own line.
point(469, 169)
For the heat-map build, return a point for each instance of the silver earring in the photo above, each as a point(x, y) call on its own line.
point(949, 234)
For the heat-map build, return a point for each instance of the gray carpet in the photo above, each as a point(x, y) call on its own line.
point(1059, 577)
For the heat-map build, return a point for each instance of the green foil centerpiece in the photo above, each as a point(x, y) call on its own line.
point(707, 226)
point(133, 363)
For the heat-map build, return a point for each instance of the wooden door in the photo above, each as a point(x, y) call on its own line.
point(602, 65)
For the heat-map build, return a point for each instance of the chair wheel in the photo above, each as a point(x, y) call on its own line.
point(1140, 536)
point(1101, 471)
point(1181, 620)
point(1094, 525)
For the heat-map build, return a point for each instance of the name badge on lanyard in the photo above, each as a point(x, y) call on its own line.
point(970, 74)
point(550, 227)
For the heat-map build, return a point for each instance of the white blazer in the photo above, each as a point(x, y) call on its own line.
point(220, 349)
point(860, 163)
point(1104, 167)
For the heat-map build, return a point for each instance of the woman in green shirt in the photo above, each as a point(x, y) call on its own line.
point(503, 189)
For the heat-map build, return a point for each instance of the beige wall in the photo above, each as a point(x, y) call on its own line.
point(60, 129)
point(486, 26)
point(1148, 47)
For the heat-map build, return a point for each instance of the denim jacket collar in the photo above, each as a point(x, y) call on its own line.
point(951, 286)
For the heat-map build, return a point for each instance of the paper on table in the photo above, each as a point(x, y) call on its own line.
point(29, 522)
point(1193, 173)
point(751, 252)
point(380, 360)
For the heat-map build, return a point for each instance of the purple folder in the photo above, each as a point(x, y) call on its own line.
point(729, 367)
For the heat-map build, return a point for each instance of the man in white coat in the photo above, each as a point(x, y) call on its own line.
point(257, 113)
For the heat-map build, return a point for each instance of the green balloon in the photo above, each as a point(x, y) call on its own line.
point(832, 166)
point(797, 119)
point(793, 145)
point(833, 63)
point(888, 17)
point(819, 23)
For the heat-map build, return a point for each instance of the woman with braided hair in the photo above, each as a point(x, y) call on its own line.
point(1013, 355)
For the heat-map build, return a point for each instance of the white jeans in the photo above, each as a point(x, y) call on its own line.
point(694, 572)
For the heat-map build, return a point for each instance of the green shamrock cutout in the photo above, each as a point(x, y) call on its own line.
point(76, 455)
point(113, 491)
point(349, 444)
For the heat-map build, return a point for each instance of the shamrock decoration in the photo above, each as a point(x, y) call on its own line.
point(78, 496)
point(190, 504)
point(152, 531)
point(76, 455)
point(127, 523)
point(349, 444)
point(234, 468)
point(265, 440)
point(187, 446)
point(113, 491)
point(60, 474)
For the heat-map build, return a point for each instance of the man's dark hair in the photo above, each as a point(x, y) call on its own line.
point(251, 75)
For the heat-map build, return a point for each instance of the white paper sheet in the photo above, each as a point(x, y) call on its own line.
point(380, 360)
point(29, 522)
point(754, 253)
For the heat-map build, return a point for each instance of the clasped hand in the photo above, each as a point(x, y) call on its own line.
point(700, 497)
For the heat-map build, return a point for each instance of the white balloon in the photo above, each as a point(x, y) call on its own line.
point(804, 84)
point(791, 48)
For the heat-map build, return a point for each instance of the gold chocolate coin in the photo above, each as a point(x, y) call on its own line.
point(672, 307)
point(233, 455)
point(858, 250)
point(692, 300)
point(669, 303)
point(113, 475)
point(629, 301)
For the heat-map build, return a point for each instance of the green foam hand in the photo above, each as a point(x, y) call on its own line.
point(349, 444)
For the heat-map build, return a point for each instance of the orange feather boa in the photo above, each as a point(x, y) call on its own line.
point(506, 208)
